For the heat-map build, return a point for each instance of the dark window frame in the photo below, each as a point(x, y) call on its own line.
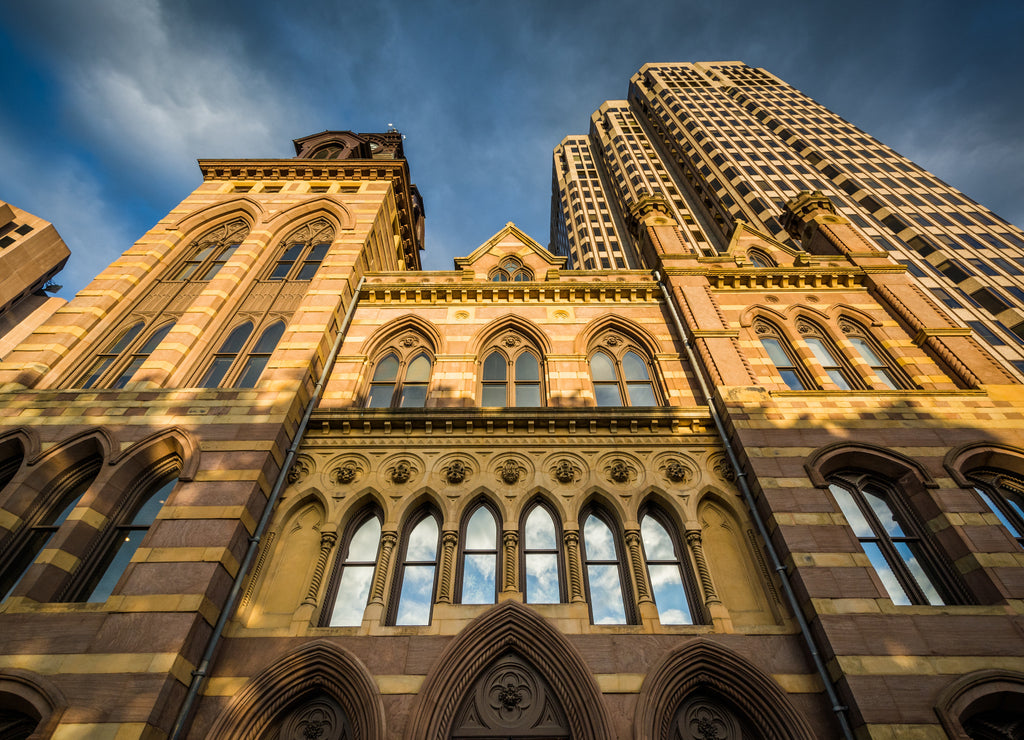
point(625, 580)
point(460, 558)
point(398, 581)
point(558, 551)
point(341, 560)
point(405, 358)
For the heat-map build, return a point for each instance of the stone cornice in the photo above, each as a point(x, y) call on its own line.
point(490, 292)
point(535, 424)
point(303, 169)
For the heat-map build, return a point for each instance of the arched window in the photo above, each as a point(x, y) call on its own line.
point(901, 557)
point(602, 563)
point(622, 379)
point(29, 543)
point(226, 355)
point(141, 354)
point(259, 355)
point(354, 574)
point(541, 564)
point(211, 251)
point(668, 576)
point(511, 382)
point(479, 558)
point(874, 356)
point(1003, 494)
point(418, 572)
point(128, 534)
point(10, 461)
point(793, 373)
point(304, 250)
point(759, 259)
point(828, 355)
point(400, 384)
point(511, 269)
point(104, 360)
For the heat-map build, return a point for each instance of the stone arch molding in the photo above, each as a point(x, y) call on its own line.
point(510, 629)
point(703, 667)
point(316, 667)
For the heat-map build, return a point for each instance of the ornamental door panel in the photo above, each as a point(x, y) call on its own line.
point(702, 717)
point(510, 701)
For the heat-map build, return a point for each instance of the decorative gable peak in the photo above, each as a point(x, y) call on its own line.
point(512, 256)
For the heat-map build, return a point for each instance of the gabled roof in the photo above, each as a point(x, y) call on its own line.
point(512, 240)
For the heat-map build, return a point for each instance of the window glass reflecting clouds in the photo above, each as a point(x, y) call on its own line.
point(356, 575)
point(603, 577)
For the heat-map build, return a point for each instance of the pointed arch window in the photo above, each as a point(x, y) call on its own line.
point(903, 560)
point(1003, 494)
point(478, 558)
point(669, 578)
point(226, 355)
point(759, 259)
point(602, 564)
point(240, 361)
point(354, 574)
point(27, 546)
point(511, 269)
point(793, 373)
point(128, 533)
point(512, 380)
point(828, 355)
point(303, 252)
point(874, 356)
point(141, 355)
point(541, 564)
point(622, 378)
point(210, 252)
point(417, 574)
point(259, 355)
point(398, 383)
point(106, 358)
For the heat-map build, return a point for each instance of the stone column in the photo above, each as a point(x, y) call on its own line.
point(636, 561)
point(327, 540)
point(693, 540)
point(388, 540)
point(449, 540)
point(571, 538)
point(510, 538)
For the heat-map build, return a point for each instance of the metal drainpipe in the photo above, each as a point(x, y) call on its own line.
point(748, 497)
point(201, 671)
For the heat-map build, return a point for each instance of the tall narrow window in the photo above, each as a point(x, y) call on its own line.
point(398, 384)
point(104, 360)
point(418, 573)
point(211, 251)
point(304, 251)
point(541, 579)
point(623, 380)
point(128, 535)
point(827, 355)
point(258, 357)
point(526, 388)
point(141, 355)
point(665, 567)
point(781, 354)
point(895, 548)
point(480, 558)
point(355, 573)
point(1003, 494)
point(226, 355)
point(39, 534)
point(874, 356)
point(602, 563)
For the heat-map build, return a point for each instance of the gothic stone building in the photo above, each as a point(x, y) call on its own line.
point(265, 478)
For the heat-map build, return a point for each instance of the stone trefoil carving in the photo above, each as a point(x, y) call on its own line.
point(299, 470)
point(455, 473)
point(344, 474)
point(401, 473)
point(619, 471)
point(565, 472)
point(509, 472)
point(676, 472)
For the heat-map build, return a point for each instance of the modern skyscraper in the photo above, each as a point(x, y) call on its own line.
point(723, 142)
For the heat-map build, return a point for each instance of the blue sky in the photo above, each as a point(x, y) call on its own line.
point(107, 104)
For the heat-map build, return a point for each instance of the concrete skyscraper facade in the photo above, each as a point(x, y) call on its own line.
point(723, 142)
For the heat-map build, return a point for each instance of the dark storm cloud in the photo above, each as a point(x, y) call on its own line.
point(122, 96)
